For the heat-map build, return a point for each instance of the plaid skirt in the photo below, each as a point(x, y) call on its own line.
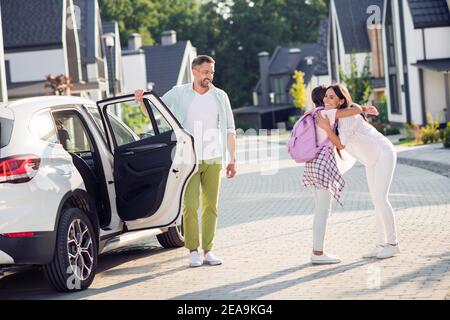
point(322, 173)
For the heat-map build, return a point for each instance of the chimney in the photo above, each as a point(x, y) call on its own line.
point(293, 58)
point(264, 76)
point(135, 42)
point(168, 38)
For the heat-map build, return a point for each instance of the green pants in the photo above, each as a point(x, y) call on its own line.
point(208, 178)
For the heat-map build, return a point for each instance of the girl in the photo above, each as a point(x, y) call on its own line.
point(378, 155)
point(323, 174)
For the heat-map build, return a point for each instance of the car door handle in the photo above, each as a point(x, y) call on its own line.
point(128, 153)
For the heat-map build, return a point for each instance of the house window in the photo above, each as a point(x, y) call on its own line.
point(280, 94)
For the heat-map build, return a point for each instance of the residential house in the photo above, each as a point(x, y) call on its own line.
point(134, 69)
point(273, 104)
point(158, 67)
point(113, 57)
point(53, 37)
point(39, 38)
point(356, 29)
point(417, 38)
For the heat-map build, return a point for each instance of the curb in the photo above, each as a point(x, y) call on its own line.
point(436, 167)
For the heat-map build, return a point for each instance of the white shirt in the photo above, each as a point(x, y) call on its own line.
point(330, 114)
point(202, 121)
point(362, 140)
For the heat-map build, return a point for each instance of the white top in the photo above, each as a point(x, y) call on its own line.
point(321, 134)
point(202, 121)
point(362, 140)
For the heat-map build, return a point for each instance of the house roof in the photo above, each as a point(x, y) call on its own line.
point(279, 63)
point(32, 23)
point(439, 65)
point(163, 65)
point(429, 13)
point(352, 16)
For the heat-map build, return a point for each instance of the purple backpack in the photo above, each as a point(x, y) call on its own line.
point(303, 145)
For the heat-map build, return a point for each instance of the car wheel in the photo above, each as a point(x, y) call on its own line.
point(173, 238)
point(75, 259)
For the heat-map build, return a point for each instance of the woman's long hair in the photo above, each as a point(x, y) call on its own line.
point(343, 94)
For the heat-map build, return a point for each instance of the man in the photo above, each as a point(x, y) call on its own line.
point(205, 112)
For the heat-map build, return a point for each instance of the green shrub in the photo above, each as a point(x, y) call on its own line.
point(391, 131)
point(430, 133)
point(242, 125)
point(446, 135)
point(380, 127)
point(292, 120)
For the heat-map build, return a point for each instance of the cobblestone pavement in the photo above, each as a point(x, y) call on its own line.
point(265, 236)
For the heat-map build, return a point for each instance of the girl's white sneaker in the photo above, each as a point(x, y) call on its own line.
point(388, 251)
point(324, 258)
point(373, 253)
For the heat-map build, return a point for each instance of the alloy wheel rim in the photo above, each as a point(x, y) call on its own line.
point(80, 249)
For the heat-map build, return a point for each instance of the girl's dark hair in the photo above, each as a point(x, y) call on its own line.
point(318, 94)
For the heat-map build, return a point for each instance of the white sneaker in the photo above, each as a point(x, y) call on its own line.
point(324, 258)
point(194, 259)
point(211, 259)
point(374, 251)
point(388, 251)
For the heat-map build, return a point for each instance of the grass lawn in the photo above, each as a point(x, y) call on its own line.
point(408, 143)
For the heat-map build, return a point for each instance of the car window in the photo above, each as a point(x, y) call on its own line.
point(43, 128)
point(163, 125)
point(6, 128)
point(72, 133)
point(123, 133)
point(130, 116)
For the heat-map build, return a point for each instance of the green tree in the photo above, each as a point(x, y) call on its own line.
point(359, 84)
point(232, 31)
point(247, 27)
point(298, 90)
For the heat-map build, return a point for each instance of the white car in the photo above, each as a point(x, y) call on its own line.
point(79, 178)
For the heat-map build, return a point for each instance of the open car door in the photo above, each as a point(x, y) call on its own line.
point(154, 158)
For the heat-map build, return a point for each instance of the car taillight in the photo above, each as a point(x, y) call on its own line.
point(19, 169)
point(19, 235)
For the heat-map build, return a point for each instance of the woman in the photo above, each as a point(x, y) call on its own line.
point(322, 174)
point(363, 142)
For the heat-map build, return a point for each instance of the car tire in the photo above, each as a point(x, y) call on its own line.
point(74, 262)
point(173, 238)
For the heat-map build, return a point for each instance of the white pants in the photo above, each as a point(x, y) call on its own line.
point(323, 201)
point(379, 178)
